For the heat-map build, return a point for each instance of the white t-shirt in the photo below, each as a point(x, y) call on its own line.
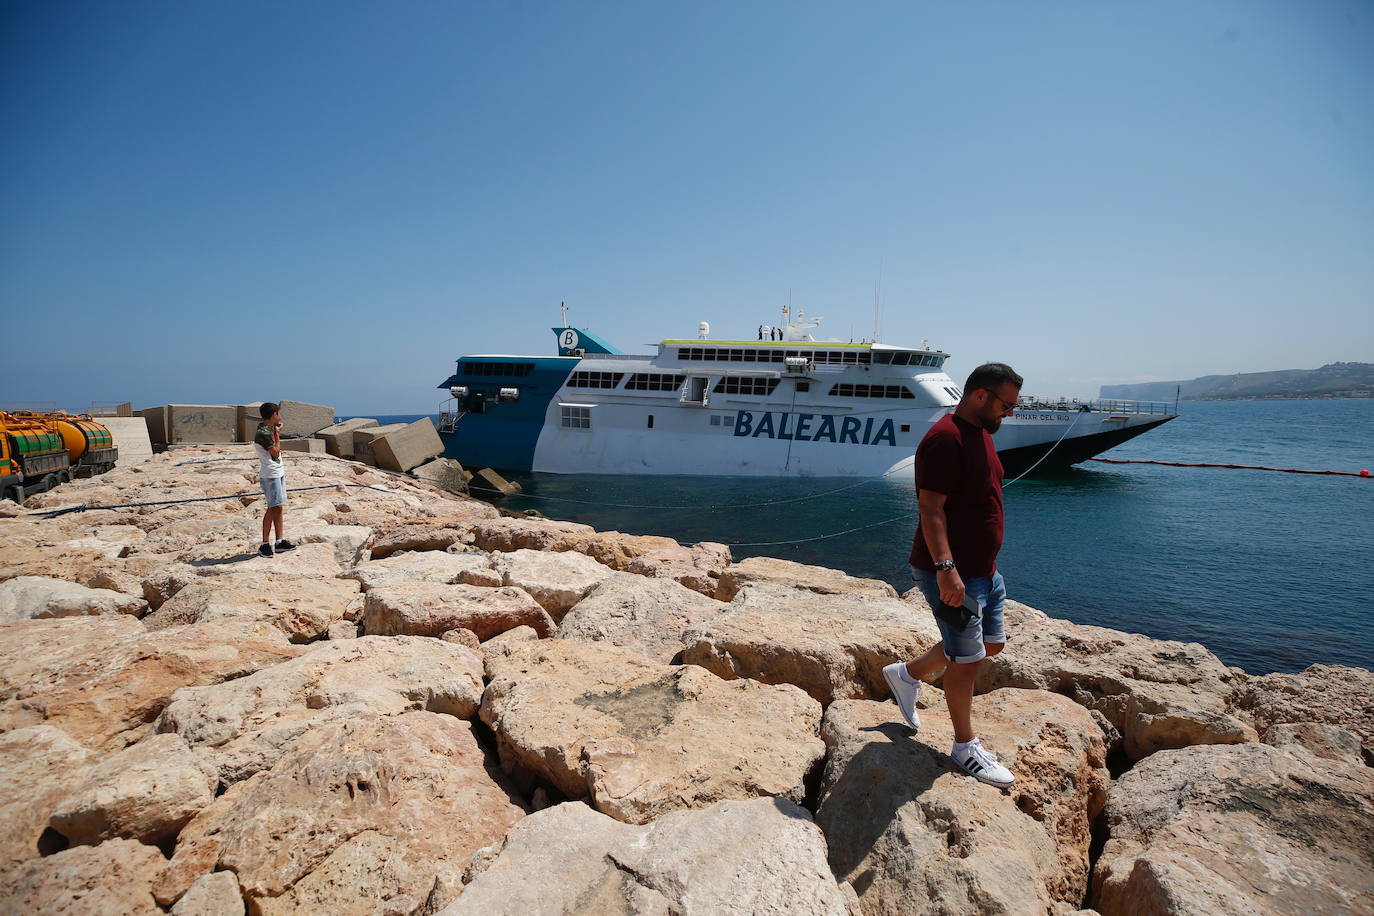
point(268, 467)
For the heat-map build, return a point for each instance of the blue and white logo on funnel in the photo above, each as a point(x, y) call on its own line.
point(569, 340)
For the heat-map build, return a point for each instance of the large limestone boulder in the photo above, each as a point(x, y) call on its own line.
point(1330, 694)
point(21, 557)
point(697, 567)
point(1238, 829)
point(301, 608)
point(36, 597)
point(146, 792)
point(215, 894)
point(556, 580)
point(246, 724)
point(832, 646)
point(348, 541)
point(1158, 694)
point(503, 535)
point(415, 537)
point(114, 877)
point(38, 766)
point(103, 680)
point(761, 855)
point(640, 739)
point(912, 834)
point(816, 579)
point(431, 609)
point(308, 561)
point(365, 815)
point(646, 616)
point(443, 567)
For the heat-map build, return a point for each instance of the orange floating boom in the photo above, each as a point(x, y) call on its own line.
point(1233, 467)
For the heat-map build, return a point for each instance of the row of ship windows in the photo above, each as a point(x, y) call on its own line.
point(646, 381)
point(573, 416)
point(507, 370)
point(651, 382)
point(823, 357)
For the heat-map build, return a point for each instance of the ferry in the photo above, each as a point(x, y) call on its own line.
point(782, 405)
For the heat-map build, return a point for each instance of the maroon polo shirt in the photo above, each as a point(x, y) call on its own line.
point(959, 460)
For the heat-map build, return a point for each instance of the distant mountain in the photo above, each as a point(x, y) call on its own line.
point(1336, 380)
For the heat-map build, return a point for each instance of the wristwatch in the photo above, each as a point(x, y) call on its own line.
point(944, 565)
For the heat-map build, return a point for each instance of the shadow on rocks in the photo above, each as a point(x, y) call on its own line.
point(223, 561)
point(859, 803)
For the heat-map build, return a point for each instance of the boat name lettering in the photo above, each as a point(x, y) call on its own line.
point(811, 427)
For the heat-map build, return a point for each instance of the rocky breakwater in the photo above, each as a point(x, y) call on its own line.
point(430, 707)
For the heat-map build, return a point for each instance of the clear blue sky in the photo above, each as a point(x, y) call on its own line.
point(213, 202)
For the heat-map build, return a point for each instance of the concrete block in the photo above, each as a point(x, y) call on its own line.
point(130, 435)
point(338, 439)
point(446, 472)
point(313, 446)
point(408, 447)
point(156, 420)
point(366, 458)
point(188, 423)
point(299, 419)
point(494, 481)
point(362, 438)
point(248, 418)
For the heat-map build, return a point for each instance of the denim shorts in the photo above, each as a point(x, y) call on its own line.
point(990, 594)
point(274, 488)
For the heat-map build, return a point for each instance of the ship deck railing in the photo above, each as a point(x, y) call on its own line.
point(1099, 405)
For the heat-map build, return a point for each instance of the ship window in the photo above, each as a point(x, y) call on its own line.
point(850, 356)
point(653, 381)
point(715, 420)
point(571, 417)
point(508, 370)
point(906, 427)
point(651, 421)
point(882, 358)
point(776, 355)
point(803, 386)
point(746, 385)
point(871, 391)
point(736, 356)
point(595, 379)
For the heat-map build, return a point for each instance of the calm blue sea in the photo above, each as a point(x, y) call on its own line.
point(1270, 571)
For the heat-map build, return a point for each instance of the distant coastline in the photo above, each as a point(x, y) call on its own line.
point(1334, 381)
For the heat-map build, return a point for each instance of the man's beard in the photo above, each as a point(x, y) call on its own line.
point(992, 425)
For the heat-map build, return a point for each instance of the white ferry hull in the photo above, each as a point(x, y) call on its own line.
point(793, 408)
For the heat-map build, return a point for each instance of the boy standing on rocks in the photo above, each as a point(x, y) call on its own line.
point(954, 559)
point(271, 477)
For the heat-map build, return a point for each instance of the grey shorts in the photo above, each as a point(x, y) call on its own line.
point(274, 488)
point(989, 626)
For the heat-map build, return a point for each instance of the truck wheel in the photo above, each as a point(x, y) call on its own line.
point(64, 476)
point(49, 481)
point(15, 493)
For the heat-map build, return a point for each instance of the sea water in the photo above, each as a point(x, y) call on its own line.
point(1270, 571)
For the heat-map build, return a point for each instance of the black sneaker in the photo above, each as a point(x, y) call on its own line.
point(285, 545)
point(264, 549)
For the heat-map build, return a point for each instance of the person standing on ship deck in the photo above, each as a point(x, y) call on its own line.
point(954, 559)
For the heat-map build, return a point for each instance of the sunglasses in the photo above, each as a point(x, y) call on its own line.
point(1006, 407)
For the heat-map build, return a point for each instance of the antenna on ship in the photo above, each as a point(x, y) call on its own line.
point(564, 307)
point(877, 303)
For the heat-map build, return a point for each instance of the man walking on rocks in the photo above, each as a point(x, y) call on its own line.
point(271, 477)
point(954, 559)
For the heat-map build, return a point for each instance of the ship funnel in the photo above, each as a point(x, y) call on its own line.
point(703, 330)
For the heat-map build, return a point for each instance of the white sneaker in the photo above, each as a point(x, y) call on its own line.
point(981, 764)
point(905, 694)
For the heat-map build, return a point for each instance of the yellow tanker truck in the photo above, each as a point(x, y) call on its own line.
point(40, 451)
